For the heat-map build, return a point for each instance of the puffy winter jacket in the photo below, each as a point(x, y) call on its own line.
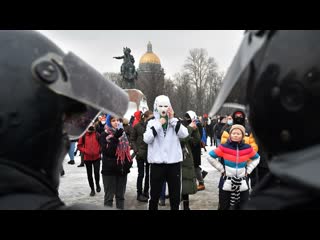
point(189, 180)
point(164, 148)
point(237, 162)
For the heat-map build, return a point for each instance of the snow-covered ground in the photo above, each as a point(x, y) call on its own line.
point(74, 188)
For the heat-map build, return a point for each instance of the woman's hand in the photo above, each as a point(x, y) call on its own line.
point(162, 121)
point(170, 112)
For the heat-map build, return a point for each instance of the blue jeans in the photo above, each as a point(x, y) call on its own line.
point(71, 150)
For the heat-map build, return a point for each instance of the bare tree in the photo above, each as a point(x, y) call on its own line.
point(195, 88)
point(184, 94)
point(200, 67)
point(114, 77)
point(170, 89)
point(213, 87)
point(151, 83)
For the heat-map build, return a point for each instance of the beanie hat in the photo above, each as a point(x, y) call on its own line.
point(125, 121)
point(240, 127)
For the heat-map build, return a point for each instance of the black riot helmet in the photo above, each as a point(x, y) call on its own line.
point(45, 95)
point(275, 76)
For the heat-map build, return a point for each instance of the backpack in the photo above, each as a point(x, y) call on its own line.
point(84, 141)
point(84, 138)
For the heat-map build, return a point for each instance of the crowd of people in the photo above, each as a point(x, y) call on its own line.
point(46, 108)
point(167, 151)
point(152, 137)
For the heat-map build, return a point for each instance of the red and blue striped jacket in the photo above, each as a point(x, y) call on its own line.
point(236, 157)
point(239, 159)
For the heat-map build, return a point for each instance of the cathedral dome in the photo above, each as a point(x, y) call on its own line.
point(149, 56)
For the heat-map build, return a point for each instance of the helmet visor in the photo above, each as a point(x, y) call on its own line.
point(71, 77)
point(76, 125)
point(232, 94)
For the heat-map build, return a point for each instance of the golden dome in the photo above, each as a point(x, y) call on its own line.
point(149, 56)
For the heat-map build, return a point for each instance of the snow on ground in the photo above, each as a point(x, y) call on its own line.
point(74, 188)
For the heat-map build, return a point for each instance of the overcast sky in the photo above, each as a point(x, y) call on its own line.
point(97, 47)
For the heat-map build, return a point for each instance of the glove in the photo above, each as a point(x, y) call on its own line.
point(118, 133)
point(120, 125)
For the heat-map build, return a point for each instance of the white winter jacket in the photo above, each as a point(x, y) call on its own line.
point(164, 148)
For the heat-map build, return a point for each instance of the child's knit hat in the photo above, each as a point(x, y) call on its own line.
point(240, 127)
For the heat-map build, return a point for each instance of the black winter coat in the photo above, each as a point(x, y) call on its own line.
point(196, 148)
point(137, 143)
point(110, 167)
point(24, 189)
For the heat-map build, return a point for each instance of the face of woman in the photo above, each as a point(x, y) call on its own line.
point(114, 123)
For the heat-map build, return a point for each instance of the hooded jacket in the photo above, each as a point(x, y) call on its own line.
point(136, 139)
point(164, 148)
point(189, 180)
point(137, 118)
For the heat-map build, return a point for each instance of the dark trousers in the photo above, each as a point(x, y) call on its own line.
point(82, 158)
point(159, 174)
point(163, 192)
point(96, 167)
point(143, 170)
point(114, 186)
point(185, 200)
point(224, 200)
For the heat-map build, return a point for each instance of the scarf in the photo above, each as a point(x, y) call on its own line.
point(123, 148)
point(165, 126)
point(235, 188)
